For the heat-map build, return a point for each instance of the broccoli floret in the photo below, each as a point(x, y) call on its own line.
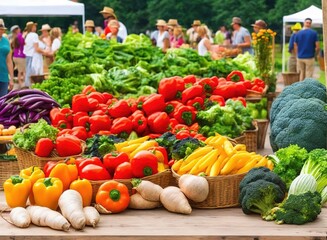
point(262, 173)
point(302, 122)
point(209, 116)
point(99, 145)
point(260, 197)
point(290, 162)
point(184, 147)
point(299, 209)
point(309, 88)
point(166, 140)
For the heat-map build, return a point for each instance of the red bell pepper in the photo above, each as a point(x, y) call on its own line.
point(63, 114)
point(168, 88)
point(196, 102)
point(94, 172)
point(257, 89)
point(235, 76)
point(97, 96)
point(98, 112)
point(200, 137)
point(82, 162)
point(192, 92)
point(68, 145)
point(218, 99)
point(77, 116)
point(158, 122)
point(172, 123)
point(240, 89)
point(119, 109)
point(189, 79)
point(44, 147)
point(88, 89)
point(132, 104)
point(113, 159)
point(154, 103)
point(107, 96)
point(63, 124)
point(180, 87)
point(183, 134)
point(83, 121)
point(121, 125)
point(180, 127)
point(171, 107)
point(139, 122)
point(99, 122)
point(48, 167)
point(259, 82)
point(208, 84)
point(144, 163)
point(226, 90)
point(81, 103)
point(123, 171)
point(241, 99)
point(79, 132)
point(163, 156)
point(248, 84)
point(185, 114)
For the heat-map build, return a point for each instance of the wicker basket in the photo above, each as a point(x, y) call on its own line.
point(27, 159)
point(251, 138)
point(262, 131)
point(164, 179)
point(290, 78)
point(223, 191)
point(239, 140)
point(254, 94)
point(7, 169)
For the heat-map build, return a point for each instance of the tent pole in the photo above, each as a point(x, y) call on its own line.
point(324, 20)
point(83, 22)
point(283, 50)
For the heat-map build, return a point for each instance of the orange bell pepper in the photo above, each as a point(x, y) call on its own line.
point(84, 187)
point(113, 196)
point(65, 172)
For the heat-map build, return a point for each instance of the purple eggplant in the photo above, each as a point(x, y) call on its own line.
point(22, 117)
point(46, 118)
point(38, 99)
point(15, 115)
point(6, 109)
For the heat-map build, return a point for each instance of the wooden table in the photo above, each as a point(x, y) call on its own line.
point(228, 224)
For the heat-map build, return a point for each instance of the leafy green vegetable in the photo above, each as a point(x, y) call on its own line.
point(28, 138)
point(99, 145)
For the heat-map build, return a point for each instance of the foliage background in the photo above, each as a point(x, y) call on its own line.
point(141, 15)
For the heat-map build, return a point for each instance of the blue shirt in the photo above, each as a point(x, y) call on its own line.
point(4, 51)
point(239, 38)
point(306, 43)
point(291, 43)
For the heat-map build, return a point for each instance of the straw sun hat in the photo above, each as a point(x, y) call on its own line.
point(45, 27)
point(260, 24)
point(196, 23)
point(109, 11)
point(2, 24)
point(89, 23)
point(161, 22)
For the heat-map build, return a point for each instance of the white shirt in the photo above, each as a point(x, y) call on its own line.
point(202, 50)
point(122, 32)
point(30, 39)
point(161, 37)
point(55, 44)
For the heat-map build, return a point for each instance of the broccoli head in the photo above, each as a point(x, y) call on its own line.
point(208, 117)
point(260, 197)
point(299, 209)
point(99, 145)
point(184, 147)
point(262, 173)
point(302, 122)
point(167, 140)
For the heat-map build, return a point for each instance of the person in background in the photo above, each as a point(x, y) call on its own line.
point(259, 24)
point(171, 24)
point(17, 44)
point(193, 35)
point(99, 31)
point(222, 36)
point(6, 64)
point(204, 45)
point(46, 40)
point(178, 39)
point(89, 26)
point(32, 47)
point(241, 37)
point(75, 28)
point(55, 35)
point(108, 15)
point(292, 59)
point(114, 29)
point(306, 46)
point(154, 37)
point(163, 35)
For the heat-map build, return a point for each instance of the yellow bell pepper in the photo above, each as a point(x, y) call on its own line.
point(32, 173)
point(16, 191)
point(84, 187)
point(65, 172)
point(47, 192)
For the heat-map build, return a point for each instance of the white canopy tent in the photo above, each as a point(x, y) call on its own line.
point(312, 12)
point(41, 8)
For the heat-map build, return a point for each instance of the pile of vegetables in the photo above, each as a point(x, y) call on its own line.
point(258, 109)
point(299, 116)
point(134, 67)
point(20, 107)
